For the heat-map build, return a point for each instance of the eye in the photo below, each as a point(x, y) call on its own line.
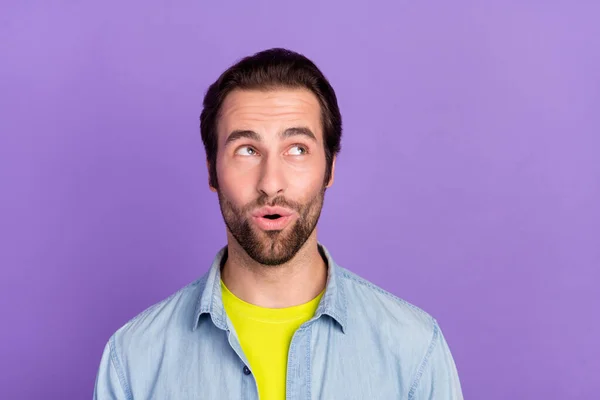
point(245, 151)
point(298, 150)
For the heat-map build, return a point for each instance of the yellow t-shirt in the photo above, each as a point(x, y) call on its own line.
point(265, 335)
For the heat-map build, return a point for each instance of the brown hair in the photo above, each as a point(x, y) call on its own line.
point(270, 69)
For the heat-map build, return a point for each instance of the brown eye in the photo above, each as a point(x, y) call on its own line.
point(245, 151)
point(298, 150)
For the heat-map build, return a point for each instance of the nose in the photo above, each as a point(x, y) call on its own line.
point(272, 181)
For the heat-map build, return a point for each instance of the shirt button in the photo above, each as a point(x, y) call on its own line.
point(246, 370)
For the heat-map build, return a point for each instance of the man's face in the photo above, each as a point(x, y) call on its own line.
point(270, 170)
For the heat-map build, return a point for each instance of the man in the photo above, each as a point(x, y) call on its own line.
point(275, 317)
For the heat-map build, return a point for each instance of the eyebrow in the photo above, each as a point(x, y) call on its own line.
point(290, 132)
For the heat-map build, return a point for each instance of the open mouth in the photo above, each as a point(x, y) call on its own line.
point(272, 216)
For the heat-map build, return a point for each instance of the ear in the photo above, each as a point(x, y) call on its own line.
point(212, 189)
point(332, 173)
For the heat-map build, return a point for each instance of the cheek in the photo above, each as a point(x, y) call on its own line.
point(231, 185)
point(305, 186)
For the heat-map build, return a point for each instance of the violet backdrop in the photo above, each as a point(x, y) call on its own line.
point(468, 183)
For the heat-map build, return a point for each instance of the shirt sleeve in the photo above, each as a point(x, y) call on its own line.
point(109, 385)
point(437, 378)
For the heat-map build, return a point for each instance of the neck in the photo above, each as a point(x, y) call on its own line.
point(296, 282)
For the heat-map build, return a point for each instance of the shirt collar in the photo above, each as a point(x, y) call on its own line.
point(333, 303)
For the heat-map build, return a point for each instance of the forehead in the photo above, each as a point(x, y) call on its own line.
point(270, 109)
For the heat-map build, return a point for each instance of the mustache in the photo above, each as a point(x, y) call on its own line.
point(279, 201)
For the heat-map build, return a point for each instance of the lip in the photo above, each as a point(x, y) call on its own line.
point(272, 224)
point(261, 212)
point(286, 216)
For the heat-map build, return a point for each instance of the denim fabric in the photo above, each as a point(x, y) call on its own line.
point(362, 343)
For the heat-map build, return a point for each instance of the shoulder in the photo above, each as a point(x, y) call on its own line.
point(170, 317)
point(370, 304)
point(402, 331)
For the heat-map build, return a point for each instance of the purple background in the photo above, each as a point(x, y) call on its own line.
point(468, 183)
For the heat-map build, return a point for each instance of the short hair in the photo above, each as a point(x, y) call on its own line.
point(271, 69)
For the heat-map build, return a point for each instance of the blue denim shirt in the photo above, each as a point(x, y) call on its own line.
point(362, 343)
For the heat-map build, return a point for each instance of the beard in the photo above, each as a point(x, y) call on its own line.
point(273, 247)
